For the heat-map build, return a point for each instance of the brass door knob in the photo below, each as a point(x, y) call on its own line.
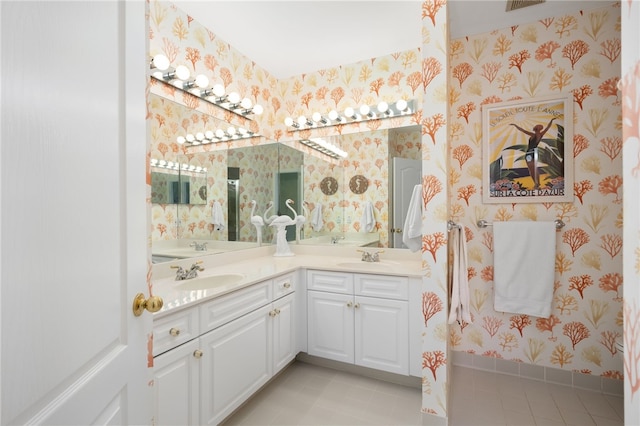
point(198, 353)
point(152, 304)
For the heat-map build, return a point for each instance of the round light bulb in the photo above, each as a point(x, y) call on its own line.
point(154, 161)
point(246, 103)
point(161, 62)
point(302, 120)
point(209, 134)
point(258, 110)
point(218, 90)
point(349, 112)
point(242, 130)
point(181, 140)
point(333, 115)
point(383, 107)
point(190, 138)
point(401, 105)
point(234, 97)
point(220, 133)
point(288, 121)
point(316, 116)
point(200, 136)
point(364, 109)
point(182, 72)
point(202, 81)
point(231, 130)
point(162, 163)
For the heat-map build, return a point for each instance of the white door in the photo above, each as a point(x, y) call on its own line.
point(74, 215)
point(406, 175)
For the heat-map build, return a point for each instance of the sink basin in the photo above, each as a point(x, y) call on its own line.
point(210, 281)
point(368, 265)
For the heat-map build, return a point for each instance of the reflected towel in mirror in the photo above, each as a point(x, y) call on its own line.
point(217, 216)
point(368, 220)
point(316, 218)
point(412, 232)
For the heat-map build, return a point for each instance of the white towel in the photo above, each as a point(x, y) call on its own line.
point(217, 216)
point(459, 278)
point(316, 218)
point(368, 220)
point(524, 267)
point(412, 232)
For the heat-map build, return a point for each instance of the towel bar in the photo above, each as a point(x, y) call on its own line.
point(483, 223)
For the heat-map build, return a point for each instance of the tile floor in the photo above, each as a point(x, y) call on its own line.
point(306, 394)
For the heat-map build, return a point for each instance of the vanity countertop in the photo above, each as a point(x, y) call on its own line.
point(235, 270)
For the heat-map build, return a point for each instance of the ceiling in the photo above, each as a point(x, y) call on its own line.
point(289, 38)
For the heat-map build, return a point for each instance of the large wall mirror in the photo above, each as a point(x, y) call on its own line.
point(339, 199)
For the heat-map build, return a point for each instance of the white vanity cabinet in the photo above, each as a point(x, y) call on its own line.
point(361, 319)
point(243, 339)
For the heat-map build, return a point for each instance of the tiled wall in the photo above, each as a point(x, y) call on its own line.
point(573, 54)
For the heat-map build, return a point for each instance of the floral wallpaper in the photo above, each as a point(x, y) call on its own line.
point(576, 54)
point(630, 100)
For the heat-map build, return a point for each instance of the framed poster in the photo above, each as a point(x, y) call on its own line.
point(528, 150)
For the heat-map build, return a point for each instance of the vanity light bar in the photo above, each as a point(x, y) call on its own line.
point(350, 115)
point(219, 135)
point(172, 165)
point(179, 77)
point(324, 147)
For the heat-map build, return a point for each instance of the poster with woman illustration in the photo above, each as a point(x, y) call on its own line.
point(527, 148)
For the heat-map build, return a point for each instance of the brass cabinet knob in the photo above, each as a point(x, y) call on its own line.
point(349, 304)
point(272, 314)
point(277, 311)
point(286, 285)
point(357, 305)
point(197, 353)
point(152, 304)
point(174, 331)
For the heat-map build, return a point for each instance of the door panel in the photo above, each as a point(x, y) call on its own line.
point(406, 175)
point(74, 216)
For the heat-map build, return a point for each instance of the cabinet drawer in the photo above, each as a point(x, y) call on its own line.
point(231, 306)
point(174, 330)
point(384, 286)
point(283, 285)
point(335, 282)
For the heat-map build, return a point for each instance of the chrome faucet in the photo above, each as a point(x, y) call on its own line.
point(192, 272)
point(335, 239)
point(199, 246)
point(367, 256)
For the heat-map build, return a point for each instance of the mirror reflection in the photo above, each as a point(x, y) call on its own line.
point(355, 201)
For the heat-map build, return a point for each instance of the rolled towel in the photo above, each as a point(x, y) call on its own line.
point(368, 220)
point(217, 216)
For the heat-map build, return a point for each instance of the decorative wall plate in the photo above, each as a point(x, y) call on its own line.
point(329, 186)
point(358, 184)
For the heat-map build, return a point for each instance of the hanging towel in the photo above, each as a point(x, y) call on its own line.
point(412, 232)
point(523, 267)
point(459, 278)
point(217, 216)
point(316, 218)
point(368, 220)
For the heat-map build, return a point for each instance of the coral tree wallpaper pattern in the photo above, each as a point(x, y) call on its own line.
point(576, 54)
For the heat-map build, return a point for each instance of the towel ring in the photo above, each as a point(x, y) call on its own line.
point(483, 224)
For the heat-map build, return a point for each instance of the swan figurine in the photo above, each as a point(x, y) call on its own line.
point(299, 219)
point(257, 221)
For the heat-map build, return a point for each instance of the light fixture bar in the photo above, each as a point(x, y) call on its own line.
point(174, 165)
point(216, 136)
point(351, 115)
point(324, 147)
point(199, 86)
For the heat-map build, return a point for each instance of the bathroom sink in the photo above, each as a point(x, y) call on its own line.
point(210, 281)
point(367, 265)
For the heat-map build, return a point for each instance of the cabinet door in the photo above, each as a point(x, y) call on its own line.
point(382, 334)
point(330, 325)
point(236, 362)
point(284, 344)
point(176, 381)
